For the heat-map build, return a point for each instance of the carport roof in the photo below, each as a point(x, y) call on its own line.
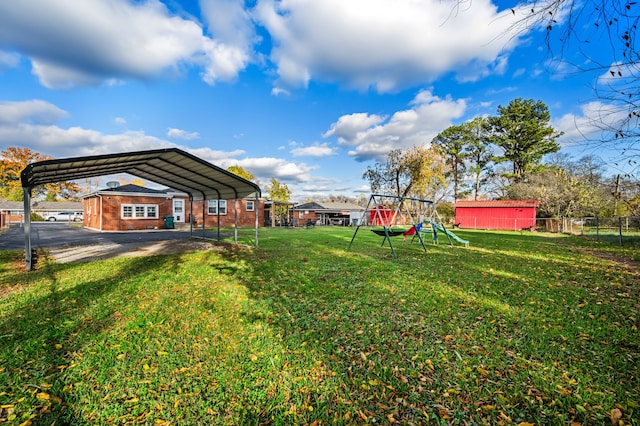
point(171, 167)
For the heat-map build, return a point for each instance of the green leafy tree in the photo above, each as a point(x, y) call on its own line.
point(567, 189)
point(243, 173)
point(281, 195)
point(479, 153)
point(522, 131)
point(626, 193)
point(452, 143)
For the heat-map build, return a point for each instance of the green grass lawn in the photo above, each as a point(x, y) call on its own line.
point(517, 328)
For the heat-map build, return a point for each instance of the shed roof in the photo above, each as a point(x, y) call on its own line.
point(498, 203)
point(171, 167)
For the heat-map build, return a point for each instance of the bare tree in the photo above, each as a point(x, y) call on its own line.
point(582, 26)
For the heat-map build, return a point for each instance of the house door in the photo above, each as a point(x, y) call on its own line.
point(178, 210)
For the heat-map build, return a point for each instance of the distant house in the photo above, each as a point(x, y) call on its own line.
point(328, 213)
point(133, 207)
point(13, 211)
point(497, 214)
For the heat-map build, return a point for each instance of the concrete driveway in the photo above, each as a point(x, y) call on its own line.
point(70, 243)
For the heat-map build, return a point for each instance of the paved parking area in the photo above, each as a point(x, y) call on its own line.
point(69, 242)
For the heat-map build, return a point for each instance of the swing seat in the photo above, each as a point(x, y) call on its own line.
point(413, 230)
point(392, 232)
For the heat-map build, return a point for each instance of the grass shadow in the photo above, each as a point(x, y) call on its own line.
point(59, 320)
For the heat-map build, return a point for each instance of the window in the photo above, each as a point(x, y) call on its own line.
point(139, 211)
point(300, 214)
point(214, 205)
point(250, 206)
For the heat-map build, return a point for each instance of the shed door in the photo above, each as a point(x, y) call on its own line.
point(178, 210)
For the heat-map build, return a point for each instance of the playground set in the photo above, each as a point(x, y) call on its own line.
point(391, 216)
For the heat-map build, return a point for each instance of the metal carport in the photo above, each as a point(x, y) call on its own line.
point(171, 167)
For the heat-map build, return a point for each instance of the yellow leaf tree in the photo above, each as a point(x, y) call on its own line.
point(415, 172)
point(13, 160)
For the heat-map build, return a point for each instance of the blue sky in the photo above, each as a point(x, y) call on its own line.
point(310, 92)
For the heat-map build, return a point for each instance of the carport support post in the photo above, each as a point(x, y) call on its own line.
point(257, 209)
point(191, 219)
point(27, 228)
point(204, 229)
point(235, 220)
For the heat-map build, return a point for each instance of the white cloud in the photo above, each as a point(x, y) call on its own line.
point(223, 62)
point(182, 134)
point(277, 91)
point(384, 44)
point(8, 60)
point(387, 45)
point(265, 168)
point(374, 137)
point(74, 43)
point(219, 158)
point(594, 119)
point(315, 150)
point(30, 125)
point(351, 127)
point(120, 121)
point(34, 111)
point(59, 142)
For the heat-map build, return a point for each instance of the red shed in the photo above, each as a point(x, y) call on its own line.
point(381, 216)
point(513, 215)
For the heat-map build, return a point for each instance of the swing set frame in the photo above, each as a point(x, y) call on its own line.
point(389, 223)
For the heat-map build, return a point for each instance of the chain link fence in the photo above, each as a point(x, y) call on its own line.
point(622, 231)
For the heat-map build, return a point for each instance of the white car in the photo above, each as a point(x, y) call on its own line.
point(66, 217)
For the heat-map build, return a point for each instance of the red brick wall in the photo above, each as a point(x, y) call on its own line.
point(303, 217)
point(245, 218)
point(112, 219)
point(112, 213)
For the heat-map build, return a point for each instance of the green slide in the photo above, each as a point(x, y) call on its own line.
point(448, 233)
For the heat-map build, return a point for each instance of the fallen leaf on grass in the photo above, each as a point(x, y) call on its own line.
point(43, 395)
point(615, 415)
point(482, 371)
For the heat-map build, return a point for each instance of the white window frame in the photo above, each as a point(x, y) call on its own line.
point(212, 207)
point(139, 211)
point(252, 204)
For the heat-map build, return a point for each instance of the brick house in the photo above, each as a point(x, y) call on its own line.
point(13, 211)
point(133, 207)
